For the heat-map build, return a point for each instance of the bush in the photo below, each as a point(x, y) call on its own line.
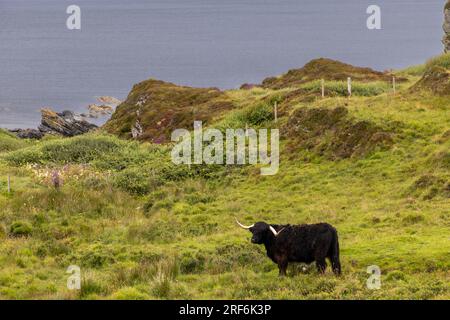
point(20, 228)
point(258, 114)
point(440, 61)
point(255, 115)
point(136, 181)
point(8, 142)
point(81, 149)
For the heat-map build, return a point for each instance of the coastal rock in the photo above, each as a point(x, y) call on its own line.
point(96, 111)
point(446, 27)
point(28, 133)
point(65, 123)
point(111, 101)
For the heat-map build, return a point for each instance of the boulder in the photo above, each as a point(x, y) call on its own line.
point(65, 123)
point(28, 133)
point(96, 111)
point(111, 101)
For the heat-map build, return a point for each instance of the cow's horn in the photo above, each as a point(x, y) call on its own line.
point(275, 233)
point(242, 226)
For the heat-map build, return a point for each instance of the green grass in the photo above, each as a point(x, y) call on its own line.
point(340, 88)
point(142, 228)
point(440, 61)
point(8, 142)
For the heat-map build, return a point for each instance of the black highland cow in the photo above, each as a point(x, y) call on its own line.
point(298, 243)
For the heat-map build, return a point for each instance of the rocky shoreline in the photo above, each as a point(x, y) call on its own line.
point(68, 123)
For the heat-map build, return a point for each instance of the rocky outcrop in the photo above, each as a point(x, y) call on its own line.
point(154, 108)
point(111, 101)
point(65, 123)
point(136, 129)
point(27, 133)
point(446, 26)
point(96, 111)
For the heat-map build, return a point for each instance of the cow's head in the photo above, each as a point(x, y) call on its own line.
point(261, 231)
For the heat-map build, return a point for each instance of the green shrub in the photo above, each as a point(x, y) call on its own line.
point(192, 263)
point(81, 149)
point(20, 228)
point(9, 142)
point(135, 180)
point(254, 115)
point(395, 275)
point(258, 114)
point(416, 71)
point(440, 61)
point(90, 287)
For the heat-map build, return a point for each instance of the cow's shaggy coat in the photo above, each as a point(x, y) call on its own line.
point(299, 243)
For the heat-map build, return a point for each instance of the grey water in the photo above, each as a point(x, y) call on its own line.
point(212, 43)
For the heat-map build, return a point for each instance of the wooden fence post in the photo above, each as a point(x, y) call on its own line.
point(9, 183)
point(276, 111)
point(323, 88)
point(394, 85)
point(349, 86)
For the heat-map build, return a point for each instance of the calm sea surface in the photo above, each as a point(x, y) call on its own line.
point(221, 43)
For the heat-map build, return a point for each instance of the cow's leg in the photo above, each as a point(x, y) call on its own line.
point(333, 255)
point(282, 266)
point(336, 265)
point(319, 256)
point(321, 265)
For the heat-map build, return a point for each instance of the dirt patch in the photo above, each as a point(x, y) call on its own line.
point(325, 69)
point(333, 134)
point(155, 108)
point(436, 79)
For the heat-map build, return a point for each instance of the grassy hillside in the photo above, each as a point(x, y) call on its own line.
point(376, 166)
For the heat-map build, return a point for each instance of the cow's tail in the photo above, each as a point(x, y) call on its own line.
point(334, 255)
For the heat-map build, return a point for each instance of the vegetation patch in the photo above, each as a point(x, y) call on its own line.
point(429, 186)
point(155, 108)
point(331, 133)
point(436, 79)
point(20, 229)
point(326, 69)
